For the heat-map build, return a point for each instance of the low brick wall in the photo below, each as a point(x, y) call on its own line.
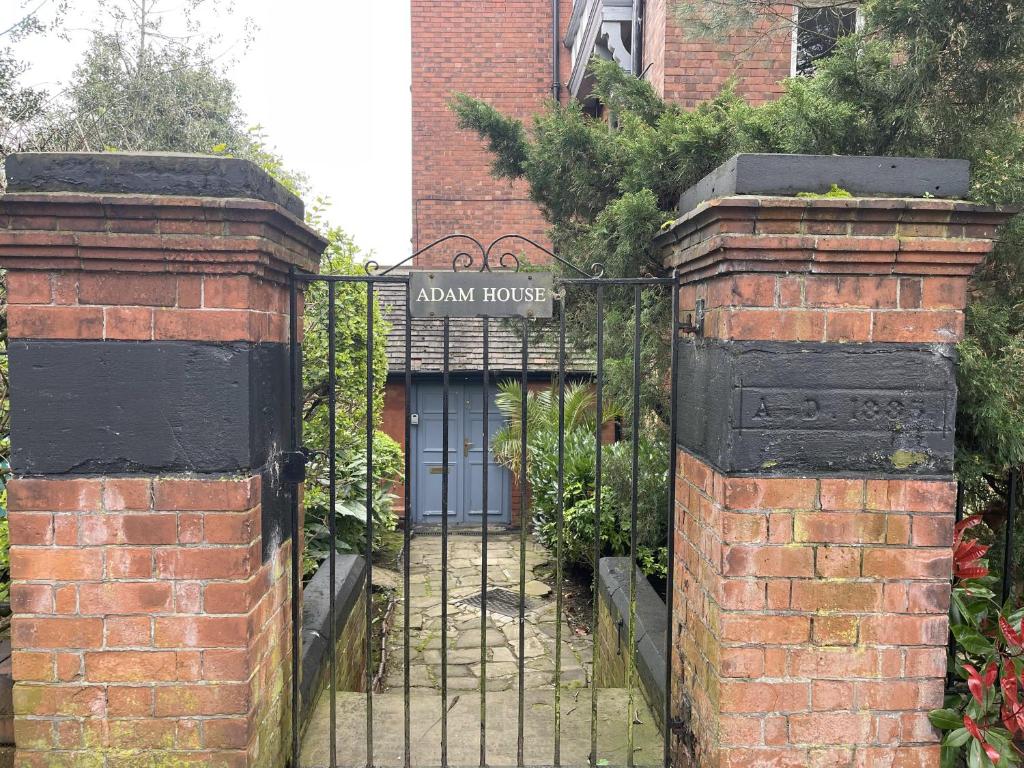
point(350, 626)
point(612, 640)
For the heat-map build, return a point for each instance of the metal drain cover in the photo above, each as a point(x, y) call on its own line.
point(500, 600)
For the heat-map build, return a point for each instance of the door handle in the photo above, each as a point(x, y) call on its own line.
point(466, 445)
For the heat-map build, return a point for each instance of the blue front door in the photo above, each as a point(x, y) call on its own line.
point(465, 457)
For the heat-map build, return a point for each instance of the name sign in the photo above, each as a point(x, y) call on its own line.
point(474, 294)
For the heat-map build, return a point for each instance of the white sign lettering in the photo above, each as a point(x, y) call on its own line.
point(476, 294)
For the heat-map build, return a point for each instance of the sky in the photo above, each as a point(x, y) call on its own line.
point(329, 82)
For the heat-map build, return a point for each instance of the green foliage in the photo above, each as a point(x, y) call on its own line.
point(542, 409)
point(167, 98)
point(931, 78)
point(505, 136)
point(22, 107)
point(579, 476)
point(350, 371)
point(350, 506)
point(652, 495)
point(984, 714)
point(835, 191)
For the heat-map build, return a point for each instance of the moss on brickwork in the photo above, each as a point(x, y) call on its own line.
point(907, 459)
point(610, 669)
point(351, 650)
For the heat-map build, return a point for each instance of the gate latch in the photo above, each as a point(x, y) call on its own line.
point(293, 466)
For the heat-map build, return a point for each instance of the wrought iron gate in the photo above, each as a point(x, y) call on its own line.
point(497, 258)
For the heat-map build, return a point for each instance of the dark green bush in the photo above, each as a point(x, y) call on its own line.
point(578, 494)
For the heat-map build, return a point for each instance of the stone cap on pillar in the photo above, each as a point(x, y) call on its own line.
point(861, 176)
point(147, 173)
point(152, 212)
point(745, 218)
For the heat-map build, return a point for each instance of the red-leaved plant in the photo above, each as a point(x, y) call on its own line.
point(982, 722)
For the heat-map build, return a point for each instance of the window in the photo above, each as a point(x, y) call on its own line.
point(817, 31)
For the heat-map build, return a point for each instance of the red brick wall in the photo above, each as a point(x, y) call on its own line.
point(143, 307)
point(497, 50)
point(393, 425)
point(688, 70)
point(145, 619)
point(811, 616)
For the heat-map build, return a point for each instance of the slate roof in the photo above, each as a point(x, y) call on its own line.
point(466, 342)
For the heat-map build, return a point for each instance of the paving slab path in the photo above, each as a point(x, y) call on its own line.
point(465, 669)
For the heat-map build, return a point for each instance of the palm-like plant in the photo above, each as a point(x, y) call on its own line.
point(541, 417)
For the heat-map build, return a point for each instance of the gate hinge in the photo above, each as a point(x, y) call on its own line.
point(694, 323)
point(293, 466)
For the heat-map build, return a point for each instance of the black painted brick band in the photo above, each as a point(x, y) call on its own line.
point(789, 409)
point(111, 407)
point(116, 408)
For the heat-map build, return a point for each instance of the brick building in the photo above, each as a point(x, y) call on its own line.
point(504, 51)
point(517, 55)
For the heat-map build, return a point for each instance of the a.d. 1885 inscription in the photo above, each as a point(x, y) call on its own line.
point(858, 410)
point(475, 294)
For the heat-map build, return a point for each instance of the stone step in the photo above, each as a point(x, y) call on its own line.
point(464, 729)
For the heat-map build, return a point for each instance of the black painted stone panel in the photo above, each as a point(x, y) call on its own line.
point(114, 407)
point(775, 408)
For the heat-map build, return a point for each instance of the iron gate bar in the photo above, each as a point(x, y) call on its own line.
point(294, 439)
point(524, 388)
point(958, 515)
point(369, 526)
point(467, 260)
point(407, 536)
point(633, 511)
point(1011, 514)
point(560, 523)
point(671, 522)
point(596, 281)
point(599, 436)
point(332, 459)
point(444, 552)
point(483, 542)
point(616, 281)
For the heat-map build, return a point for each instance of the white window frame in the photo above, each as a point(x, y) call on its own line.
point(858, 26)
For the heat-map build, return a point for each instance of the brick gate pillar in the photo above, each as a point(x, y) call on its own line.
point(815, 492)
point(150, 527)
